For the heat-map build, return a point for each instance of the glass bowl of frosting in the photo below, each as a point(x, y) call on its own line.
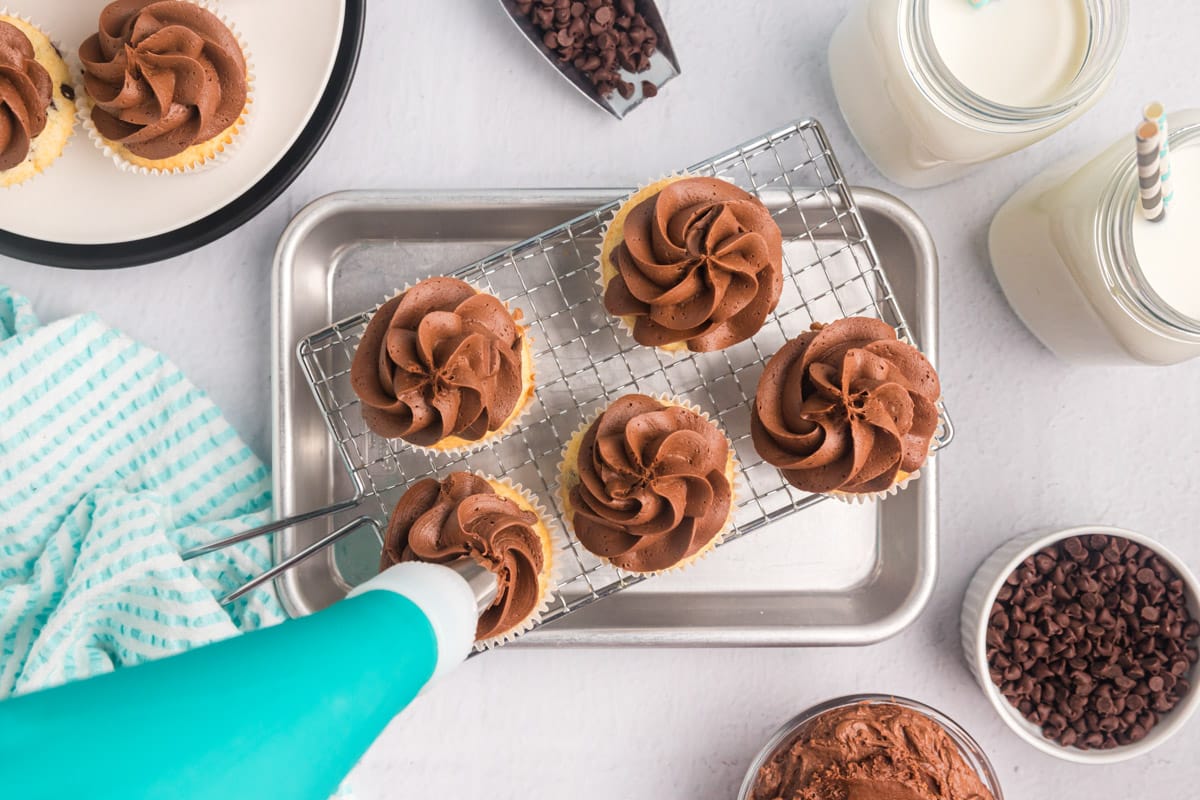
point(871, 745)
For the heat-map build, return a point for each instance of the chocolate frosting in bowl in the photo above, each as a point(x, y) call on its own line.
point(870, 751)
point(654, 484)
point(439, 522)
point(701, 262)
point(846, 407)
point(25, 94)
point(164, 75)
point(440, 360)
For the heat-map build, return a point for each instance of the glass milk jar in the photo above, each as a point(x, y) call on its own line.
point(931, 87)
point(1088, 274)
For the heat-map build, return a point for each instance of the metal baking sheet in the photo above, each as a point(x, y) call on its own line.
point(834, 574)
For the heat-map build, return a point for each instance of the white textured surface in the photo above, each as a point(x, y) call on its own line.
point(459, 100)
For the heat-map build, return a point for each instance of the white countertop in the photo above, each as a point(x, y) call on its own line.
point(451, 97)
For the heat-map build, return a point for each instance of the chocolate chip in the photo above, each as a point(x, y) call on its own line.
point(597, 37)
point(1092, 640)
point(1075, 549)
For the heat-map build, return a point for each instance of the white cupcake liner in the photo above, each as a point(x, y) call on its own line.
point(552, 574)
point(858, 499)
point(84, 105)
point(510, 424)
point(736, 488)
point(71, 75)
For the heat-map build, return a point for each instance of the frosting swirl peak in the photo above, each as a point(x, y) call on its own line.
point(654, 484)
point(440, 360)
point(846, 407)
point(701, 263)
point(26, 90)
point(164, 75)
point(439, 522)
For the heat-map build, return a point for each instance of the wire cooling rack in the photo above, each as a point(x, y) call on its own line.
point(583, 361)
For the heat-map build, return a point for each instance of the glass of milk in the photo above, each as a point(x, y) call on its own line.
point(931, 87)
point(1088, 274)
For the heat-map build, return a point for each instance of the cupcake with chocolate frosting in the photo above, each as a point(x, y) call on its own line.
point(495, 523)
point(692, 263)
point(846, 409)
point(444, 366)
point(37, 101)
point(166, 85)
point(648, 485)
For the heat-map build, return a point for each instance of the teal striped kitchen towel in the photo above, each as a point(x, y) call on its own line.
point(111, 464)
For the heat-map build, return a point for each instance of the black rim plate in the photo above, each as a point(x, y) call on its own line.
point(234, 214)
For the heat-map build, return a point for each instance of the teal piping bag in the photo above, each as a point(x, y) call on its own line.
point(282, 712)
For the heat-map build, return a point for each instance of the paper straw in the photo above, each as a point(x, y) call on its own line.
point(1156, 112)
point(1149, 175)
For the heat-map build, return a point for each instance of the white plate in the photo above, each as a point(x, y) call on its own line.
point(84, 199)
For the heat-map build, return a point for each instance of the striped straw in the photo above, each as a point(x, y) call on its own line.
point(1149, 176)
point(1157, 113)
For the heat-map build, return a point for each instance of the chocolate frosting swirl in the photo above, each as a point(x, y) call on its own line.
point(870, 751)
point(439, 360)
point(654, 484)
point(463, 516)
point(701, 262)
point(164, 75)
point(846, 407)
point(25, 94)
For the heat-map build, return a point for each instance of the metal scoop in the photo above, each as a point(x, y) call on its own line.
point(663, 64)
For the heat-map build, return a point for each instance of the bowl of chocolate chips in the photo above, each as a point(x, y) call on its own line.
point(1085, 641)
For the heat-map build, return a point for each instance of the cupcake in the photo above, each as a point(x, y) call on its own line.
point(692, 263)
point(648, 484)
point(37, 102)
point(443, 366)
point(165, 85)
point(846, 409)
point(494, 522)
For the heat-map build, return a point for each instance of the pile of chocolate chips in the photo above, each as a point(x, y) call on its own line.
point(598, 37)
point(1092, 640)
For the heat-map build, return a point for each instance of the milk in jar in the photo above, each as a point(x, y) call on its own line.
point(1095, 281)
point(931, 87)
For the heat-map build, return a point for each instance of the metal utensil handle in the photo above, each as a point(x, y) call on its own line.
point(263, 530)
point(284, 524)
point(279, 525)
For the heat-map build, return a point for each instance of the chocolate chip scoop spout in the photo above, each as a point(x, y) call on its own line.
point(615, 52)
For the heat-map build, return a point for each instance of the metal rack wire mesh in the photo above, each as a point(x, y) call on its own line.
point(583, 360)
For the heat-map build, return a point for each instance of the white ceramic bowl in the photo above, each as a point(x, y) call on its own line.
point(981, 594)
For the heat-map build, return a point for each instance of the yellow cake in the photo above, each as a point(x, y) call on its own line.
point(60, 114)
